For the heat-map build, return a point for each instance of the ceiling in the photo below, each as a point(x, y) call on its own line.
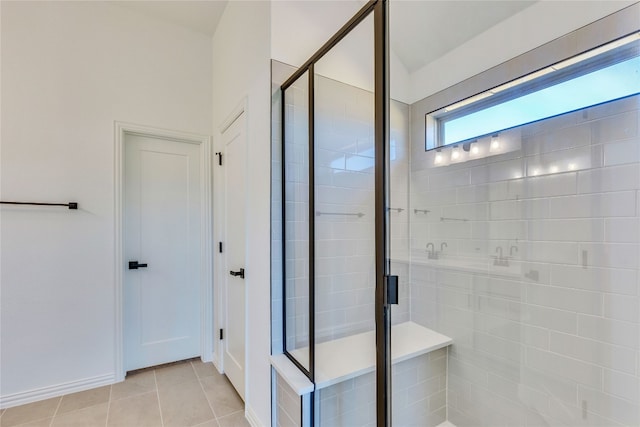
point(200, 16)
point(421, 31)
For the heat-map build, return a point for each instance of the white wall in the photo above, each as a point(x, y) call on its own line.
point(241, 70)
point(69, 69)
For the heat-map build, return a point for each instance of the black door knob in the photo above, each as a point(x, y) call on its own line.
point(134, 265)
point(238, 273)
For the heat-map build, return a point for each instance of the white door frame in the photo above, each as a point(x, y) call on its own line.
point(206, 279)
point(220, 233)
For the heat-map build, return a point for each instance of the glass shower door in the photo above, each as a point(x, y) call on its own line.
point(345, 216)
point(334, 223)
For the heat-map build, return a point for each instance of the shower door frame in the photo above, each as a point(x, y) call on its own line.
point(379, 8)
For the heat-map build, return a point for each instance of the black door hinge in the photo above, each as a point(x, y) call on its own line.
point(219, 154)
point(392, 289)
point(220, 247)
point(221, 334)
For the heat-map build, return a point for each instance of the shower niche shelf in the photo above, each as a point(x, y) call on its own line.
point(467, 264)
point(354, 355)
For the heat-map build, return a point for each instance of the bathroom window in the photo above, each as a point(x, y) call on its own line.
point(604, 74)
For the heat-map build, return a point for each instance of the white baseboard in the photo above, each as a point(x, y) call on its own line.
point(55, 390)
point(252, 417)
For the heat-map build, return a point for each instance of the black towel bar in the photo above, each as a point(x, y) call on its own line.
point(70, 205)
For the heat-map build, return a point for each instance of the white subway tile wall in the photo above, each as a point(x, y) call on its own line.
point(418, 398)
point(344, 217)
point(288, 405)
point(538, 282)
point(344, 190)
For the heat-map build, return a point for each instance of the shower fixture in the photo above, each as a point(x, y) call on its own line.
point(500, 260)
point(432, 254)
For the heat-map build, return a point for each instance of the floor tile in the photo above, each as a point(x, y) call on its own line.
point(184, 405)
point(204, 369)
point(134, 384)
point(93, 416)
point(175, 374)
point(185, 394)
point(84, 399)
point(220, 379)
point(45, 422)
point(222, 396)
point(140, 411)
point(236, 419)
point(30, 412)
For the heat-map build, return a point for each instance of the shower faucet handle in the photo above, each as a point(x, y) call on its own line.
point(432, 254)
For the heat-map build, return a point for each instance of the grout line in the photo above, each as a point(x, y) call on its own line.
point(193, 368)
point(155, 379)
point(232, 413)
point(106, 421)
point(215, 416)
point(56, 411)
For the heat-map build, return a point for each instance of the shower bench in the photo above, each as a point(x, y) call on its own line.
point(354, 355)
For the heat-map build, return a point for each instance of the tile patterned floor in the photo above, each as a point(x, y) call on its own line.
point(190, 393)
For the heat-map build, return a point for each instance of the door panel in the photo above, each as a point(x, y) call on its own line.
point(162, 230)
point(235, 154)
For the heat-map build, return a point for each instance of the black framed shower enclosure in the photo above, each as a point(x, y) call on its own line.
point(385, 285)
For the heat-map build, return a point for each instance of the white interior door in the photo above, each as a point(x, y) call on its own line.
point(235, 151)
point(161, 233)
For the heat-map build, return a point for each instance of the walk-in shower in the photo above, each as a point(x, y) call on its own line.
point(494, 241)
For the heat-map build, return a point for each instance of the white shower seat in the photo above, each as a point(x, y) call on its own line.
point(354, 355)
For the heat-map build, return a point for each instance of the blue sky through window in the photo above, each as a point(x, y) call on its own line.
point(609, 83)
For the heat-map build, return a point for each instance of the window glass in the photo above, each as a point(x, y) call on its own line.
point(608, 73)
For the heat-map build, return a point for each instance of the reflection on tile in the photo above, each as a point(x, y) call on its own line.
point(236, 419)
point(175, 374)
point(88, 417)
point(84, 399)
point(140, 411)
point(222, 396)
point(134, 384)
point(30, 412)
point(185, 405)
